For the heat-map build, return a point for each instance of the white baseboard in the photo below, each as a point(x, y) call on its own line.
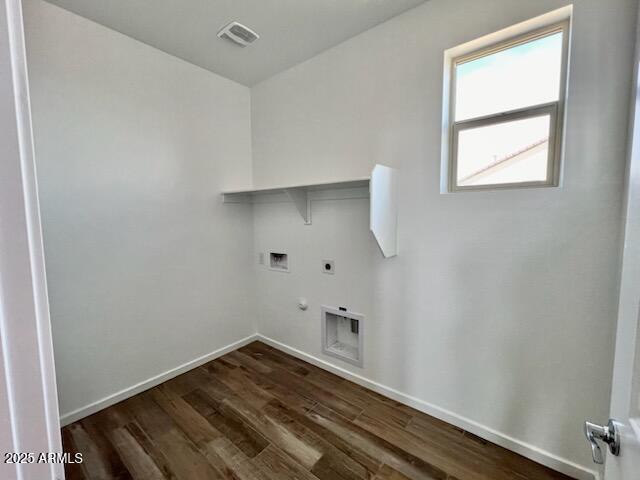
point(94, 407)
point(530, 451)
point(526, 450)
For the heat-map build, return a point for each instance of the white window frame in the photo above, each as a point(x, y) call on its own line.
point(555, 110)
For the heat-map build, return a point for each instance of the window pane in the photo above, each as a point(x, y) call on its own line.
point(509, 152)
point(521, 76)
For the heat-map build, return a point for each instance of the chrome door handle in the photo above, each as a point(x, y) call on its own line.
point(608, 434)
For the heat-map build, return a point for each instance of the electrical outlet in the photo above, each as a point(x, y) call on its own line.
point(328, 267)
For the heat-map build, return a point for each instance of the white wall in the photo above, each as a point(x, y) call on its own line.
point(146, 268)
point(501, 306)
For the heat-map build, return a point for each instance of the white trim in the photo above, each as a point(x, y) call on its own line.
point(70, 417)
point(527, 450)
point(554, 109)
point(485, 45)
point(551, 110)
point(27, 351)
point(625, 382)
point(34, 226)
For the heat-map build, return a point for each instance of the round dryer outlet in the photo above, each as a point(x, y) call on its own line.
point(328, 267)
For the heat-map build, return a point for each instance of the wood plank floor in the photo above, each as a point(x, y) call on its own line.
point(258, 413)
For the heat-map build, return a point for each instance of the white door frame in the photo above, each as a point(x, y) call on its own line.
point(627, 353)
point(28, 399)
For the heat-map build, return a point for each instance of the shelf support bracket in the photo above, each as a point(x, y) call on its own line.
point(300, 198)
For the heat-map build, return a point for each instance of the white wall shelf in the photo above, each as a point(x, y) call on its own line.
point(380, 187)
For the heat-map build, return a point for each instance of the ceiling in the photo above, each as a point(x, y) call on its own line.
point(290, 30)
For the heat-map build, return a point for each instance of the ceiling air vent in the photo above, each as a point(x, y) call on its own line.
point(238, 34)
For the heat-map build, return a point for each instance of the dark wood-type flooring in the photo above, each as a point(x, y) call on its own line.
point(260, 414)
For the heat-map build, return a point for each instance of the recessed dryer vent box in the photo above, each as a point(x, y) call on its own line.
point(279, 261)
point(342, 334)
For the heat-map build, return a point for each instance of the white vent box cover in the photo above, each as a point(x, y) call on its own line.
point(342, 334)
point(238, 34)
